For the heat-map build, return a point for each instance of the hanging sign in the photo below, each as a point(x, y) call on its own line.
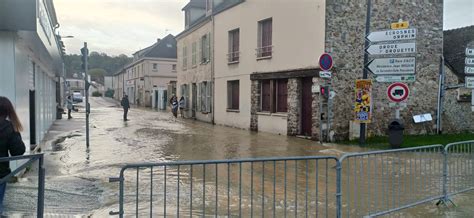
point(398, 92)
point(363, 101)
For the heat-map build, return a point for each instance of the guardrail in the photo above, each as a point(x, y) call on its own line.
point(247, 187)
point(30, 159)
point(367, 184)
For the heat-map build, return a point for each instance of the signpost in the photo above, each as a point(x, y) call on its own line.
point(395, 78)
point(392, 48)
point(469, 69)
point(392, 35)
point(391, 66)
point(326, 64)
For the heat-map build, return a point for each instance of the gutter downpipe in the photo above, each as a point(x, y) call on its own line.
point(212, 70)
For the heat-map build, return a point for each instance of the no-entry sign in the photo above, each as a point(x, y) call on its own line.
point(398, 92)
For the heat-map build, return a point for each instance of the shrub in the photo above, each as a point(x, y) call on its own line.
point(96, 94)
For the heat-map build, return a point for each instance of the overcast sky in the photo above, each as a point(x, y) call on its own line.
point(125, 26)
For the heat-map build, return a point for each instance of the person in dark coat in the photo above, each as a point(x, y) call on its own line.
point(126, 106)
point(174, 106)
point(10, 140)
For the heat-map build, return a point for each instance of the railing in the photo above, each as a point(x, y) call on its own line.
point(247, 187)
point(367, 184)
point(265, 51)
point(30, 159)
point(233, 57)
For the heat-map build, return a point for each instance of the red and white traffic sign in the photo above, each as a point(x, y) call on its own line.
point(398, 92)
point(325, 62)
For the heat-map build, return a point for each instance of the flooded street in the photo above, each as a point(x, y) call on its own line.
point(77, 177)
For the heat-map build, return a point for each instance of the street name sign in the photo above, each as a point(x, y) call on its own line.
point(398, 92)
point(392, 48)
point(469, 70)
point(325, 74)
point(470, 61)
point(392, 35)
point(391, 66)
point(395, 78)
point(400, 25)
point(469, 82)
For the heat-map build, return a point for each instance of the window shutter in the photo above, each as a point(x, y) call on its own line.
point(209, 96)
point(198, 99)
point(229, 95)
point(265, 95)
point(208, 48)
point(203, 97)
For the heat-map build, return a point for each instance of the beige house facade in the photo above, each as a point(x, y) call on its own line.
point(151, 77)
point(195, 77)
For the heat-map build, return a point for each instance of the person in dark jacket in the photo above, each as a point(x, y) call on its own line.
point(10, 140)
point(126, 105)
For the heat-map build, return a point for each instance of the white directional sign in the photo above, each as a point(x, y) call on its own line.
point(390, 66)
point(469, 70)
point(469, 82)
point(392, 35)
point(395, 78)
point(470, 61)
point(392, 48)
point(469, 51)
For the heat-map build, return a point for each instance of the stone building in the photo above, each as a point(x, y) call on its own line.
point(152, 69)
point(194, 61)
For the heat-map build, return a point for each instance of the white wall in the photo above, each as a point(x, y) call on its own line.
point(298, 40)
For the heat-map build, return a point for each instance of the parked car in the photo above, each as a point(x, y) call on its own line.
point(77, 97)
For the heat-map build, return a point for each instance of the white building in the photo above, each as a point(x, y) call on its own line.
point(31, 64)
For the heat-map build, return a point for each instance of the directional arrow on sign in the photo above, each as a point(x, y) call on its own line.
point(392, 35)
point(391, 66)
point(392, 48)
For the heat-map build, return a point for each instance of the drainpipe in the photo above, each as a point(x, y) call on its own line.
point(439, 129)
point(212, 71)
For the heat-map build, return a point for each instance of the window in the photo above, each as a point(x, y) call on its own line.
point(234, 43)
point(233, 95)
point(274, 95)
point(185, 58)
point(264, 38)
point(205, 48)
point(155, 66)
point(185, 94)
point(193, 60)
point(173, 67)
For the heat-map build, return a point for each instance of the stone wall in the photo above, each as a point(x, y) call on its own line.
point(255, 101)
point(345, 34)
point(294, 106)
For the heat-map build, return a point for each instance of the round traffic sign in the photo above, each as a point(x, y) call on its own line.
point(398, 92)
point(325, 62)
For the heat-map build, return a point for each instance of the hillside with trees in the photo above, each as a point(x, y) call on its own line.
point(100, 65)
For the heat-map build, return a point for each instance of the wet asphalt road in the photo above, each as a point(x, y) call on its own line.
point(77, 177)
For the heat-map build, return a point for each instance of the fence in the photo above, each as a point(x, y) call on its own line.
point(367, 184)
point(30, 159)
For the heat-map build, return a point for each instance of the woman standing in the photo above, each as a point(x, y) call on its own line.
point(182, 105)
point(10, 140)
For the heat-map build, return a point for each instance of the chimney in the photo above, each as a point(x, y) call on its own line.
point(158, 40)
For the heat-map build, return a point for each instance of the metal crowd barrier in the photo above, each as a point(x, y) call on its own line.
point(277, 187)
point(367, 184)
point(30, 159)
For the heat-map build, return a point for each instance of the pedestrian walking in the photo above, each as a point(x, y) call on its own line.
point(70, 107)
point(10, 140)
point(182, 105)
point(174, 106)
point(126, 106)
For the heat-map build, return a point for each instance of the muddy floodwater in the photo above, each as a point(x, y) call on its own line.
point(77, 177)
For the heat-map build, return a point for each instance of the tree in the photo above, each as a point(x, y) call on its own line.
point(97, 75)
point(110, 64)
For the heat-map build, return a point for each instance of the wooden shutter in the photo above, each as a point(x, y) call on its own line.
point(203, 96)
point(265, 95)
point(208, 47)
point(282, 95)
point(235, 95)
point(229, 94)
point(198, 99)
point(209, 97)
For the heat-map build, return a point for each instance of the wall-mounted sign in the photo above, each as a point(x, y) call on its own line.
point(392, 48)
point(390, 66)
point(363, 101)
point(392, 35)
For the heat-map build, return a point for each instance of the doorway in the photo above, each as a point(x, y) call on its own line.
point(306, 106)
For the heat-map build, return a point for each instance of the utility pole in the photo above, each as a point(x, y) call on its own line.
point(85, 59)
point(366, 60)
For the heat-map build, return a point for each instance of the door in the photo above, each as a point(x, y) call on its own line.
point(306, 110)
point(194, 100)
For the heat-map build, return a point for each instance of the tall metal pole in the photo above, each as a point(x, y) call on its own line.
point(439, 128)
point(87, 91)
point(366, 60)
